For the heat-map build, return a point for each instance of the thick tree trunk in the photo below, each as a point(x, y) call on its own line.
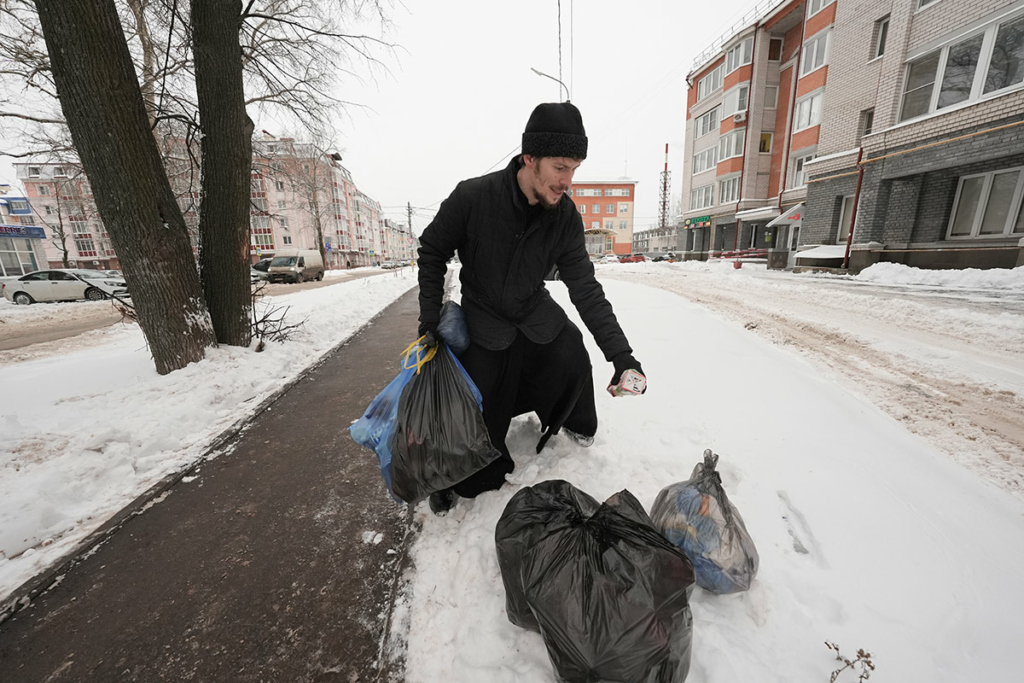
point(99, 94)
point(226, 168)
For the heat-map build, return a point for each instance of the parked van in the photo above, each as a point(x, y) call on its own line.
point(296, 265)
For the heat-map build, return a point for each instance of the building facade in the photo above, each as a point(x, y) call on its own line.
point(300, 197)
point(922, 140)
point(22, 242)
point(867, 130)
point(606, 208)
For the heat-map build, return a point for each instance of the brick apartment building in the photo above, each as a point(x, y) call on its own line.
point(918, 102)
point(606, 208)
point(296, 193)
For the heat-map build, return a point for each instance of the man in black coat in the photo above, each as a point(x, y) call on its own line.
point(511, 228)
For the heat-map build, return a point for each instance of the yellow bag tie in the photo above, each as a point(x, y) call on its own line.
point(420, 354)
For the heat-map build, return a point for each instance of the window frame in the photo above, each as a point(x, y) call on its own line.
point(775, 98)
point(810, 4)
point(797, 125)
point(733, 184)
point(801, 162)
point(1014, 214)
point(725, 141)
point(881, 35)
point(712, 126)
point(709, 161)
point(744, 46)
point(739, 88)
point(704, 202)
point(760, 142)
point(716, 81)
point(989, 33)
point(825, 35)
point(609, 209)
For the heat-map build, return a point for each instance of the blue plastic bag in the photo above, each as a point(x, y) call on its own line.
point(698, 518)
point(452, 327)
point(376, 428)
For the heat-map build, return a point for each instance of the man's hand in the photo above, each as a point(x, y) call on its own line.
point(622, 362)
point(429, 330)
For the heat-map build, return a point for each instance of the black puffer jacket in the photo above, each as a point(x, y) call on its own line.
point(506, 248)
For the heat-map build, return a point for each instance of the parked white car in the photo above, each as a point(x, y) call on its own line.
point(64, 284)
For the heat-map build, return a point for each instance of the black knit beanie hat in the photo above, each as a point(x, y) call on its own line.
point(555, 129)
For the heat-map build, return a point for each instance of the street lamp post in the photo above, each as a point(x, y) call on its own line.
point(541, 73)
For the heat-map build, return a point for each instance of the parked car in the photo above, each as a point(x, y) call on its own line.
point(390, 265)
point(296, 265)
point(632, 258)
point(63, 284)
point(263, 265)
point(661, 256)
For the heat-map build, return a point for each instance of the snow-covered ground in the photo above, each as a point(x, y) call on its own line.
point(874, 529)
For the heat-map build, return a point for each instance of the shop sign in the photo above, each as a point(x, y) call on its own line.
point(23, 231)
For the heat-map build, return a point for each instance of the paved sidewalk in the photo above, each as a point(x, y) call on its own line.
point(266, 567)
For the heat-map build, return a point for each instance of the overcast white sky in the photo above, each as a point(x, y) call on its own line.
point(461, 89)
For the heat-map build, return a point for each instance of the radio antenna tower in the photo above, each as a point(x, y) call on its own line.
point(663, 211)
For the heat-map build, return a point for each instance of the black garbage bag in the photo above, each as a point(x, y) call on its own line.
point(440, 436)
point(698, 517)
point(606, 591)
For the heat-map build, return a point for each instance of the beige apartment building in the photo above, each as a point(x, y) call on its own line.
point(607, 208)
point(848, 132)
point(298, 194)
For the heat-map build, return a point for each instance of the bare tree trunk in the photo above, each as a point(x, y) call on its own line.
point(226, 168)
point(102, 103)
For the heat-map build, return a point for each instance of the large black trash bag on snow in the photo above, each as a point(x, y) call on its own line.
point(440, 436)
point(607, 592)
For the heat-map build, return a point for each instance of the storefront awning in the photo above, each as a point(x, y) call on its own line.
point(760, 213)
point(792, 215)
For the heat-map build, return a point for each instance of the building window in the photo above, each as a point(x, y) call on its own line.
point(702, 161)
point(775, 49)
point(43, 190)
point(18, 205)
point(765, 144)
point(79, 226)
point(710, 83)
point(610, 225)
point(729, 190)
point(845, 220)
point(85, 247)
point(739, 55)
point(617, 192)
point(34, 171)
point(702, 197)
point(279, 185)
point(815, 6)
point(583, 208)
point(988, 205)
point(964, 71)
point(808, 112)
point(609, 208)
point(259, 204)
point(623, 208)
point(924, 3)
point(771, 96)
point(596, 208)
point(59, 172)
point(623, 225)
point(800, 170)
point(735, 100)
point(867, 123)
point(595, 225)
point(706, 123)
point(881, 33)
point(49, 210)
point(260, 222)
point(282, 222)
point(286, 239)
point(731, 145)
point(815, 53)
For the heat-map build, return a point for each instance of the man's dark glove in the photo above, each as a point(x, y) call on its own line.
point(625, 361)
point(429, 330)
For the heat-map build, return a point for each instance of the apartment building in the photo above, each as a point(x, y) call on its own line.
point(898, 121)
point(22, 242)
point(925, 116)
point(606, 207)
point(753, 113)
point(299, 196)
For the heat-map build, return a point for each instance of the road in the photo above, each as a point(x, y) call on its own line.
point(23, 327)
point(948, 364)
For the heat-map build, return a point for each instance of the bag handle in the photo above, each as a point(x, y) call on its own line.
point(419, 353)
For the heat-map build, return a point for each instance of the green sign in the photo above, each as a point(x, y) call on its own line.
point(698, 222)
